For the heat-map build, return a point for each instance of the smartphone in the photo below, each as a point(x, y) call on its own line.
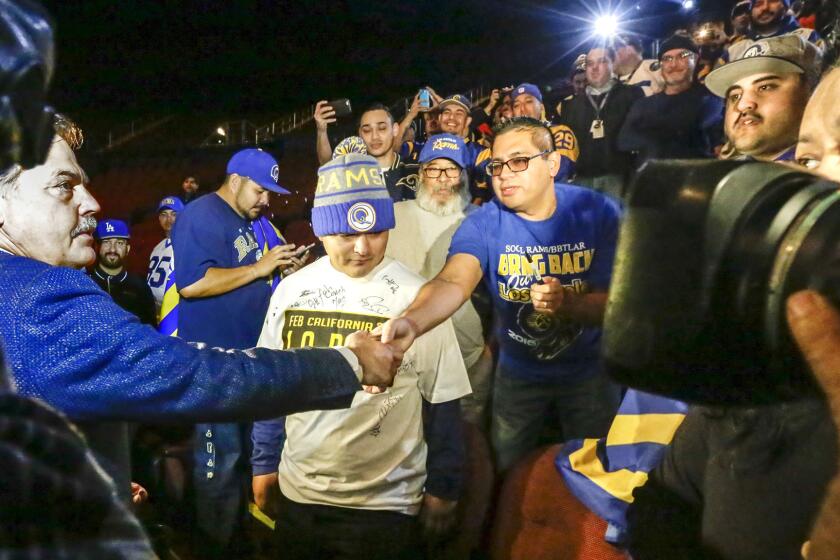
point(341, 107)
point(425, 99)
point(303, 249)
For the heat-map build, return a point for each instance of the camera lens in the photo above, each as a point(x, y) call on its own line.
point(708, 254)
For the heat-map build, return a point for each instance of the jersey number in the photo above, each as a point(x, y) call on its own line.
point(158, 267)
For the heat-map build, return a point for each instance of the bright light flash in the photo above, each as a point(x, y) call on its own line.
point(606, 25)
point(688, 4)
point(221, 131)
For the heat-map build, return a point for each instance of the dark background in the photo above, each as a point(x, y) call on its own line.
point(125, 59)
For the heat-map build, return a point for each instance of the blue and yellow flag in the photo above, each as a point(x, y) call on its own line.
point(268, 237)
point(602, 473)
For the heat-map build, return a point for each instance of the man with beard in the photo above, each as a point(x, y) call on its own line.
point(765, 89)
point(772, 18)
point(128, 290)
point(380, 134)
point(420, 241)
point(684, 121)
point(545, 252)
point(455, 118)
point(190, 187)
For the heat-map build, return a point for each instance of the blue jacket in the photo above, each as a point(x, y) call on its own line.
point(70, 345)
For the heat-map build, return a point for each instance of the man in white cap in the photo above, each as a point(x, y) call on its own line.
point(765, 87)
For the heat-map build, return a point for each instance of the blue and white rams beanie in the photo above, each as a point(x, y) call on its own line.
point(351, 197)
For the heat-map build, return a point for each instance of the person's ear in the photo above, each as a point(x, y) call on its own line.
point(553, 163)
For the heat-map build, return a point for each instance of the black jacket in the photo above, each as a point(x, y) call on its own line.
point(129, 292)
point(602, 156)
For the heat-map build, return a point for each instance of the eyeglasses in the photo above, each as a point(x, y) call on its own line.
point(667, 59)
point(434, 172)
point(517, 164)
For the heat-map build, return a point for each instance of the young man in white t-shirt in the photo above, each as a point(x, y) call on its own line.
point(353, 483)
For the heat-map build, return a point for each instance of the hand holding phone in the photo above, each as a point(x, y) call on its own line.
point(341, 107)
point(303, 249)
point(425, 99)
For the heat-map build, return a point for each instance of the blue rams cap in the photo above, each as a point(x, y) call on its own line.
point(526, 89)
point(170, 203)
point(258, 166)
point(106, 229)
point(351, 197)
point(446, 146)
point(458, 99)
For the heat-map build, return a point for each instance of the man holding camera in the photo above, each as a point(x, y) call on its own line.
point(765, 89)
point(546, 254)
point(380, 133)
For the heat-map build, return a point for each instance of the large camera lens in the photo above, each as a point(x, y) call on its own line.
point(707, 256)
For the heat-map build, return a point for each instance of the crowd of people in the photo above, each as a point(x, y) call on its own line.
point(458, 290)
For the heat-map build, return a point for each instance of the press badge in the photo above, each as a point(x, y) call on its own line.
point(597, 129)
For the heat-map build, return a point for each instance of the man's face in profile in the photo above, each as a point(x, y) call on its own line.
point(47, 214)
point(819, 137)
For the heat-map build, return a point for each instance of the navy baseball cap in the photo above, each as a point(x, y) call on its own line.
point(107, 229)
point(170, 203)
point(258, 166)
point(457, 99)
point(446, 146)
point(526, 89)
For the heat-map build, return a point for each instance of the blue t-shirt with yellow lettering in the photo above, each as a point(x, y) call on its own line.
point(576, 245)
point(210, 234)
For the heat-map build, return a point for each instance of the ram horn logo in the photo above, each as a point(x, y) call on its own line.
point(361, 216)
point(755, 50)
point(275, 173)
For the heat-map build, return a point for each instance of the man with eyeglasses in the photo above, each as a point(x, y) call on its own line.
point(420, 241)
point(684, 121)
point(128, 290)
point(545, 252)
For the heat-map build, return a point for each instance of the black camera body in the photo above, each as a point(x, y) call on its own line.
point(708, 254)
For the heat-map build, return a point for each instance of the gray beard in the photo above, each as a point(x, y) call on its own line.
point(455, 204)
point(86, 225)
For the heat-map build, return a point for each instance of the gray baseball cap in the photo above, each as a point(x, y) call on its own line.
point(784, 54)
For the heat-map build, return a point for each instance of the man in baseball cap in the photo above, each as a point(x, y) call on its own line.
point(128, 290)
point(740, 18)
point(765, 87)
point(162, 259)
point(353, 215)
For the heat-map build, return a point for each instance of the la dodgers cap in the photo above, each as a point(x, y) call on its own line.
point(107, 229)
point(257, 165)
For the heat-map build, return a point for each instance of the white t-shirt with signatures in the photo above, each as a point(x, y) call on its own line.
point(371, 455)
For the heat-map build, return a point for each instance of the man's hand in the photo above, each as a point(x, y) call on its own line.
point(298, 263)
point(266, 489)
point(379, 361)
point(399, 332)
point(436, 99)
point(437, 516)
point(493, 101)
point(815, 325)
point(324, 115)
point(281, 255)
point(139, 494)
point(550, 296)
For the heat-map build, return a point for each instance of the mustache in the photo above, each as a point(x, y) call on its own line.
point(86, 225)
point(749, 114)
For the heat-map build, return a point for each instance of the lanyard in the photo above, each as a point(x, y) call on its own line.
point(599, 107)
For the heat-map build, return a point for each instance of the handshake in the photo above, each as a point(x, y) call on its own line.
point(380, 353)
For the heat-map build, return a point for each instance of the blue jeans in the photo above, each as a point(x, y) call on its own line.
point(585, 409)
point(221, 480)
